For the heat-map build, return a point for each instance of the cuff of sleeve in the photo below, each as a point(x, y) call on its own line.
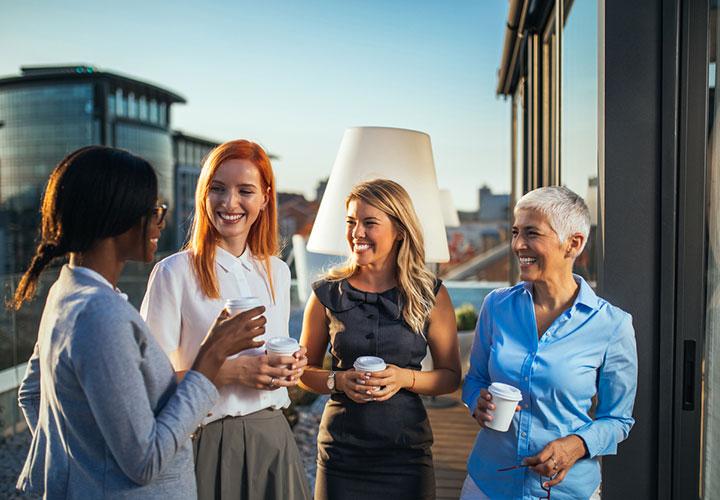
point(589, 434)
point(207, 388)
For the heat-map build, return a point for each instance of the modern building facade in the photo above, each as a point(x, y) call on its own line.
point(47, 112)
point(617, 101)
point(189, 153)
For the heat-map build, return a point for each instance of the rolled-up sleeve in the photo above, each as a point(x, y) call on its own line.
point(617, 385)
point(478, 376)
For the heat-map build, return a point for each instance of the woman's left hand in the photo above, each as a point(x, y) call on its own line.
point(387, 382)
point(556, 459)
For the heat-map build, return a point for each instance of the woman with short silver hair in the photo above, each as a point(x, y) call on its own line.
point(562, 346)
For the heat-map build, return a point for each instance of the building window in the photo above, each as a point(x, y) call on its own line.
point(121, 102)
point(579, 132)
point(153, 111)
point(143, 106)
point(111, 105)
point(162, 114)
point(132, 106)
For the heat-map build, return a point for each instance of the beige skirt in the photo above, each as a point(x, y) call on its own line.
point(253, 457)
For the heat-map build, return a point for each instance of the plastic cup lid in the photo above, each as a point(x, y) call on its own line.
point(285, 345)
point(369, 363)
point(243, 303)
point(505, 391)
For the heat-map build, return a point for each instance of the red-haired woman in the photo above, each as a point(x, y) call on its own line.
point(244, 448)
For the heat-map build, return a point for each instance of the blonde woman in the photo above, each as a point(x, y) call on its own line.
point(375, 437)
point(244, 448)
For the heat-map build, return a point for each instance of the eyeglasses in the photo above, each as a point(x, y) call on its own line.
point(158, 212)
point(542, 480)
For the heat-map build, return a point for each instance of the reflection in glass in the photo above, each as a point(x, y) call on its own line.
point(579, 150)
point(711, 365)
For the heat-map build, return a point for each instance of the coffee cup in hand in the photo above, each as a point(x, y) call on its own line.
point(278, 347)
point(236, 306)
point(505, 398)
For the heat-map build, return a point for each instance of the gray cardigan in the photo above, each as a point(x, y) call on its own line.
point(108, 419)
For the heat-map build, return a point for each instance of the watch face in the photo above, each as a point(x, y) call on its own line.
point(331, 381)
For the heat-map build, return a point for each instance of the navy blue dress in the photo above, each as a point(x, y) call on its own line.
point(378, 449)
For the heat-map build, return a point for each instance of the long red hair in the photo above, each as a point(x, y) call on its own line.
point(263, 236)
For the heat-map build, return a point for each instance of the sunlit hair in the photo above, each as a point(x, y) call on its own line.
point(565, 210)
point(263, 236)
point(415, 282)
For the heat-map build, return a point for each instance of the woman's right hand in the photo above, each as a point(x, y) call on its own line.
point(484, 403)
point(255, 372)
point(347, 381)
point(227, 336)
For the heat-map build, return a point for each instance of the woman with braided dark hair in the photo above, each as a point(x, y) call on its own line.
point(107, 417)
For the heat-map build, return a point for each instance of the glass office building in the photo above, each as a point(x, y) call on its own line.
point(189, 152)
point(617, 101)
point(47, 112)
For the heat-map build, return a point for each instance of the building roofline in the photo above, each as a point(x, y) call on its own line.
point(87, 73)
point(179, 134)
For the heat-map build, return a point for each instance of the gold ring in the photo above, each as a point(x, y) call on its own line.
point(273, 382)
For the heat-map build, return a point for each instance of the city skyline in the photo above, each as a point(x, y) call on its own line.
point(294, 76)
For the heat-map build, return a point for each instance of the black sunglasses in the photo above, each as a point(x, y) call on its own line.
point(158, 212)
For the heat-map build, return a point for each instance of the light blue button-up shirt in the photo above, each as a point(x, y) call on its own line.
point(589, 350)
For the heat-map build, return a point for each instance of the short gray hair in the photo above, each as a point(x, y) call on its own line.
point(564, 209)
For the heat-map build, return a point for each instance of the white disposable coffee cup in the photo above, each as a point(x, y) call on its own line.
point(369, 364)
point(235, 306)
point(282, 346)
point(505, 398)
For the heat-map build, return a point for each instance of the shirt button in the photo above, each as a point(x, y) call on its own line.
point(524, 434)
point(526, 379)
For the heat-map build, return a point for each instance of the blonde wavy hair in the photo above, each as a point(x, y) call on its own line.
point(415, 283)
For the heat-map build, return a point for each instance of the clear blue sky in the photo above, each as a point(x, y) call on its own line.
point(293, 74)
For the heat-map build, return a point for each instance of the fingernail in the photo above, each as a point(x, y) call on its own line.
point(368, 393)
point(293, 367)
point(545, 485)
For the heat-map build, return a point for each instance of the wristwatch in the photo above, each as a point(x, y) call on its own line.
point(331, 383)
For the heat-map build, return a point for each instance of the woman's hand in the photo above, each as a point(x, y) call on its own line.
point(386, 383)
point(227, 336)
point(556, 459)
point(352, 383)
point(257, 373)
point(484, 403)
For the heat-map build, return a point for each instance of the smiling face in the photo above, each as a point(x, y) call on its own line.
point(540, 253)
point(370, 233)
point(234, 201)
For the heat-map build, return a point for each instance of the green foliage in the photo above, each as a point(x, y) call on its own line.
point(466, 317)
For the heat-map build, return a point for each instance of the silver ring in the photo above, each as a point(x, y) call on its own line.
point(273, 382)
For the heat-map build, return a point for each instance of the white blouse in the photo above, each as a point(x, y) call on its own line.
point(179, 316)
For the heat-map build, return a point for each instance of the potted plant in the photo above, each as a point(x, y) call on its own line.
point(466, 317)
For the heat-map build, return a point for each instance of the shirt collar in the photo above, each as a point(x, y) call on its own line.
point(94, 275)
point(229, 262)
point(585, 296)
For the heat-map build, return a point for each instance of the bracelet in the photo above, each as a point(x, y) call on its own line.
point(413, 382)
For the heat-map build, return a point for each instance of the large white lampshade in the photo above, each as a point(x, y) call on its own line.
point(450, 214)
point(404, 156)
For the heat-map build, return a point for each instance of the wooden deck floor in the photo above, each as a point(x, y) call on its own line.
point(454, 430)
